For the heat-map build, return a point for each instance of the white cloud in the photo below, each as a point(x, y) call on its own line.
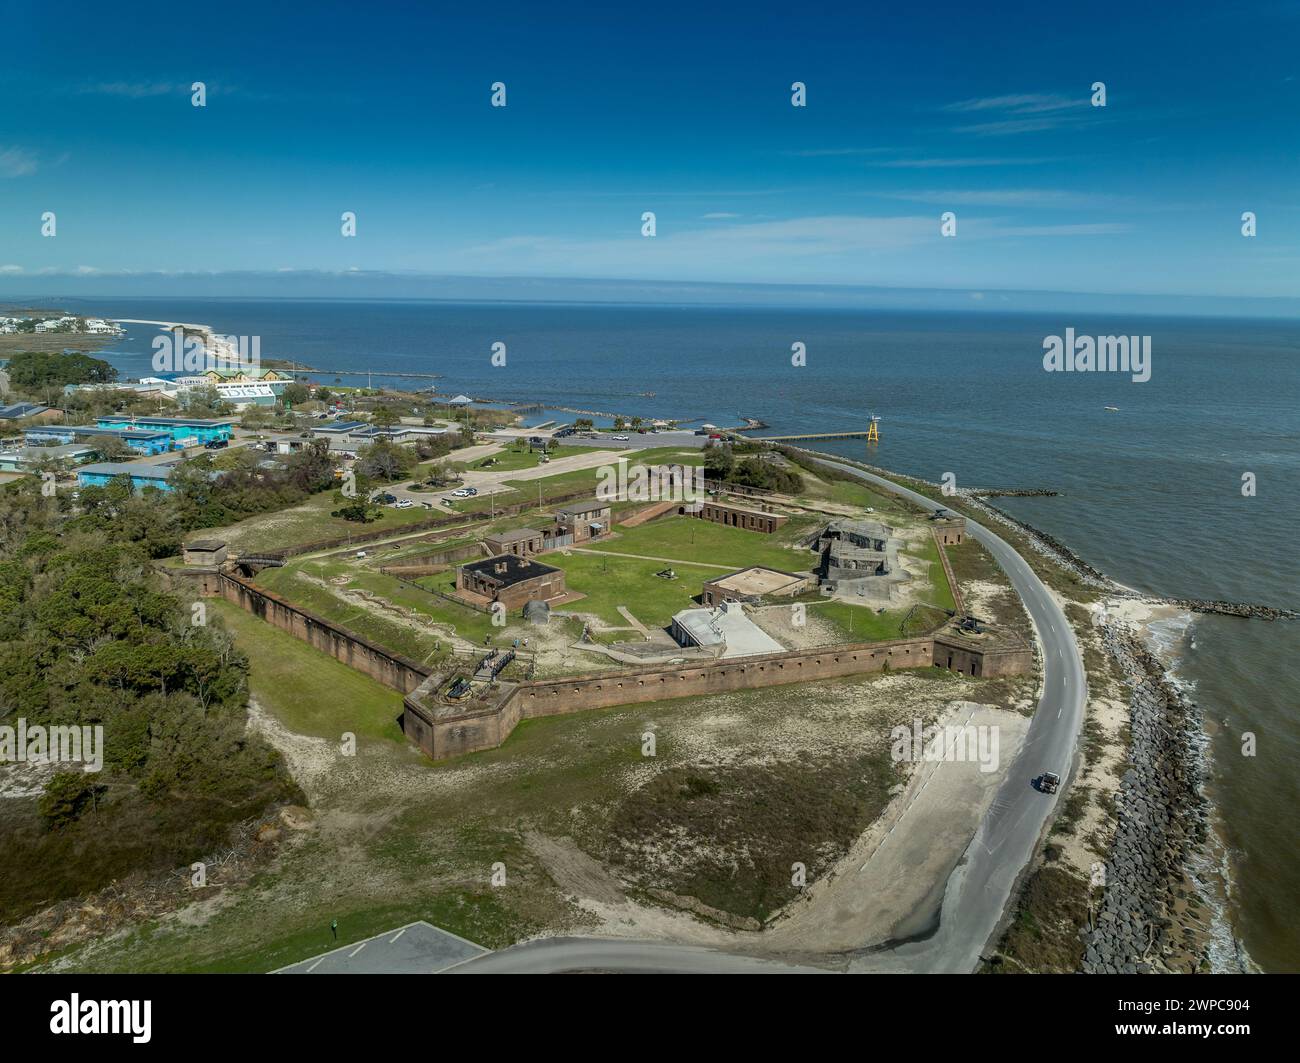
point(1019, 103)
point(135, 90)
point(1004, 197)
point(1025, 112)
point(952, 163)
point(17, 162)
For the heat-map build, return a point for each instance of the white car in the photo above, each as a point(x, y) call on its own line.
point(405, 503)
point(621, 439)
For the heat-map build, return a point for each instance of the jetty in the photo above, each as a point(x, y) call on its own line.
point(361, 372)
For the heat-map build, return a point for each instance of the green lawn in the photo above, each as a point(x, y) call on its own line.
point(511, 460)
point(941, 591)
point(306, 690)
point(691, 539)
point(609, 582)
point(858, 623)
point(586, 480)
point(391, 634)
point(420, 645)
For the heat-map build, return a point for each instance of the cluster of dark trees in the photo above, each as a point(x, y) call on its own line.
point(382, 460)
point(32, 372)
point(751, 468)
point(89, 637)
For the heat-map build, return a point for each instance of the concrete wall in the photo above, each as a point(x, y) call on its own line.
point(442, 735)
point(442, 732)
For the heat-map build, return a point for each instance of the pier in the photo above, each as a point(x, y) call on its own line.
point(811, 437)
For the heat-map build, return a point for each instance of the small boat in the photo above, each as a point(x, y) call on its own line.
point(1113, 409)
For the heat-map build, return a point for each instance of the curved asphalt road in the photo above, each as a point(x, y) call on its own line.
point(978, 890)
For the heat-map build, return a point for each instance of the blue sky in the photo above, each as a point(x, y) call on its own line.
point(684, 110)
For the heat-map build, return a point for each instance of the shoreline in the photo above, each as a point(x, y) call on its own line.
point(1191, 871)
point(1173, 738)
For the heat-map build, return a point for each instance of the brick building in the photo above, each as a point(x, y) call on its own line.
point(583, 520)
point(511, 580)
point(759, 520)
point(949, 528)
point(522, 542)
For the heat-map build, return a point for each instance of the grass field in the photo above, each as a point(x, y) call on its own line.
point(691, 539)
point(411, 642)
point(609, 582)
point(852, 494)
point(306, 523)
point(858, 624)
point(396, 838)
point(307, 691)
point(511, 460)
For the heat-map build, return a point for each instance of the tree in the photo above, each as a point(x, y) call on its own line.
point(384, 416)
point(382, 460)
point(111, 448)
point(34, 371)
point(358, 509)
point(66, 797)
point(295, 394)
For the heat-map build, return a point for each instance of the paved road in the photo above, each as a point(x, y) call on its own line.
point(978, 890)
point(553, 955)
point(980, 887)
point(417, 948)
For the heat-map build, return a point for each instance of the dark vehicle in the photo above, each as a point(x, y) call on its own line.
point(1049, 782)
point(216, 444)
point(384, 497)
point(471, 491)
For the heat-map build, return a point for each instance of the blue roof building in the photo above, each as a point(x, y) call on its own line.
point(184, 431)
point(100, 473)
point(137, 439)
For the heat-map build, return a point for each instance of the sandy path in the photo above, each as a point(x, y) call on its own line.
point(891, 881)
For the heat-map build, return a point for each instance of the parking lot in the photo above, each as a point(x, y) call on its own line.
point(417, 948)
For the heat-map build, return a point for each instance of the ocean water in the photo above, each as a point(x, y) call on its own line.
point(1152, 491)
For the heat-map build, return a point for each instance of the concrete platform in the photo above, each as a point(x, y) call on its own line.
point(417, 948)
